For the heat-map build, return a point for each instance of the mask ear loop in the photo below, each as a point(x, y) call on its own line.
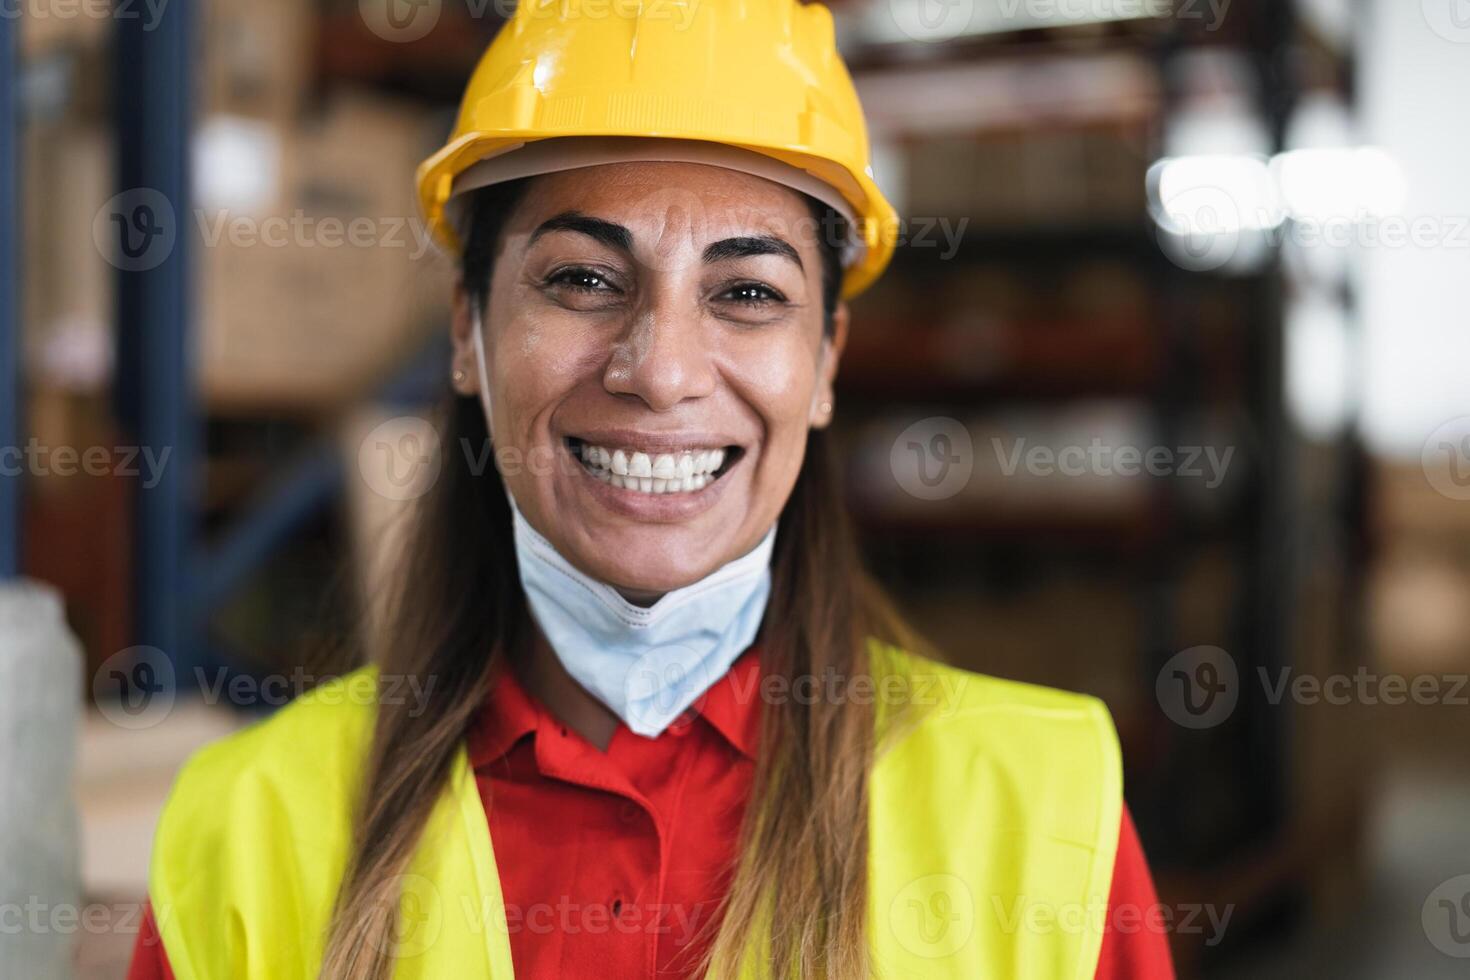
point(478, 330)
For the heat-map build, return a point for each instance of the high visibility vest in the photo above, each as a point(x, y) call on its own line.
point(993, 826)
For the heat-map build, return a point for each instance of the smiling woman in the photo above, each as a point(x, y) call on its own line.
point(670, 726)
point(679, 359)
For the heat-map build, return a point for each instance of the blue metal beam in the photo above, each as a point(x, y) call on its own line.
point(312, 482)
point(10, 226)
point(153, 80)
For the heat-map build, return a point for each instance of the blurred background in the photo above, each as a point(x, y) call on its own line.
point(1164, 398)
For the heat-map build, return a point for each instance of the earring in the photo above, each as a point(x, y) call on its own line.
point(459, 377)
point(825, 408)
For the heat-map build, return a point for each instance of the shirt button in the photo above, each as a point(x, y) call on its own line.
point(615, 906)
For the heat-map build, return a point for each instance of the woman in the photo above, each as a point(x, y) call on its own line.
point(668, 727)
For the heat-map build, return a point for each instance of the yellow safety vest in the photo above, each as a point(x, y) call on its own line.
point(993, 826)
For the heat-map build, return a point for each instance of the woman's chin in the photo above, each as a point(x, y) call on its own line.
point(648, 543)
point(643, 571)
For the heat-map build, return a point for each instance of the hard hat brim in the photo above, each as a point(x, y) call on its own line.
point(873, 220)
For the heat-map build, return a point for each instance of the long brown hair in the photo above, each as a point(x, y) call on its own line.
point(459, 612)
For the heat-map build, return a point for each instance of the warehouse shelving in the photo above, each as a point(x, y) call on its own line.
point(1214, 807)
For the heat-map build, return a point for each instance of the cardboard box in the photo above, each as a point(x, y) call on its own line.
point(312, 302)
point(313, 274)
point(1021, 179)
point(256, 57)
point(47, 27)
point(68, 284)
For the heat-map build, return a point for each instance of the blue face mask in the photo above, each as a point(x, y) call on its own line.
point(647, 664)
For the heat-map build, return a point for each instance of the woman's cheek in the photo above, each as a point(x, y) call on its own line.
point(530, 375)
point(784, 382)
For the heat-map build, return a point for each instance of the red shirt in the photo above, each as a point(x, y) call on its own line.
point(612, 864)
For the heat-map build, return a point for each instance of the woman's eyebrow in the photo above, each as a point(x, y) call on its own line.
point(618, 236)
point(607, 232)
point(733, 248)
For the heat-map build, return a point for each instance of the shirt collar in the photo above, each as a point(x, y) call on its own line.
point(731, 706)
point(508, 715)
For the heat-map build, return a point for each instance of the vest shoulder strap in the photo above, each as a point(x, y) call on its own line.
point(994, 824)
point(257, 833)
point(274, 799)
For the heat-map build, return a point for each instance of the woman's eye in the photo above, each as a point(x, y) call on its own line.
point(585, 280)
point(752, 293)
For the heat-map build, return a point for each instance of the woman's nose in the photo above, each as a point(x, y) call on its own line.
point(661, 358)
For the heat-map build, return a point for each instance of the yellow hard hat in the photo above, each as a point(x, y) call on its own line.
point(757, 75)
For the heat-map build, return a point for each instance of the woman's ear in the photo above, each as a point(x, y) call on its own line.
point(464, 374)
point(823, 401)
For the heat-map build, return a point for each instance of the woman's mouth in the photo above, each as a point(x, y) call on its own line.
point(654, 472)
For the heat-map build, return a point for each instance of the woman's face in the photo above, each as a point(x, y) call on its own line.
point(655, 351)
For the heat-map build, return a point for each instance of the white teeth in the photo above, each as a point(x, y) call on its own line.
point(678, 472)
